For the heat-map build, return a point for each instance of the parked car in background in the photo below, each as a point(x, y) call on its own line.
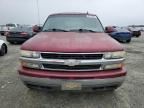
point(8, 27)
point(135, 32)
point(72, 52)
point(3, 48)
point(19, 34)
point(121, 34)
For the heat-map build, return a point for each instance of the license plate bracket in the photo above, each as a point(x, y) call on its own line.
point(71, 86)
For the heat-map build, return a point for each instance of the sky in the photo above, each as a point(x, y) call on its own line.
point(110, 12)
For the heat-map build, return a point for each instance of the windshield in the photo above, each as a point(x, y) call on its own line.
point(22, 29)
point(85, 23)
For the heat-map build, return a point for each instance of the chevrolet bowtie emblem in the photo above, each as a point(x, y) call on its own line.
point(72, 62)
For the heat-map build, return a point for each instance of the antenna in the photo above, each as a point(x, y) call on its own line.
point(38, 11)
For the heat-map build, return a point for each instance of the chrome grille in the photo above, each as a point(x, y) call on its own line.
point(71, 56)
point(71, 68)
point(58, 66)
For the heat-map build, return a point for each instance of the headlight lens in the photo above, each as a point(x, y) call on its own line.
point(115, 55)
point(113, 66)
point(30, 54)
point(30, 65)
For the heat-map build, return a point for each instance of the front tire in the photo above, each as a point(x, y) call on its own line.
point(128, 41)
point(29, 85)
point(3, 50)
point(112, 89)
point(12, 42)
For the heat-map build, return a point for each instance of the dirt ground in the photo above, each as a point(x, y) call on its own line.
point(13, 94)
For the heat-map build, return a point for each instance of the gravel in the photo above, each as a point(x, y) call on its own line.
point(13, 94)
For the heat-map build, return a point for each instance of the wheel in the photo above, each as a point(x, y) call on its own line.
point(3, 50)
point(123, 41)
point(29, 85)
point(138, 36)
point(12, 42)
point(128, 41)
point(112, 88)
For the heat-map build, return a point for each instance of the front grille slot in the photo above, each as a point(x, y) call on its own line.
point(71, 56)
point(71, 68)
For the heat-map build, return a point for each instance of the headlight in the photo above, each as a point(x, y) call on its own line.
point(30, 65)
point(115, 55)
point(113, 66)
point(30, 54)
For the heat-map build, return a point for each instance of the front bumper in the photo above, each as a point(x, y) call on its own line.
point(88, 80)
point(84, 83)
point(17, 39)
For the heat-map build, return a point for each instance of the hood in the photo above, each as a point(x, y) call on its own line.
point(72, 42)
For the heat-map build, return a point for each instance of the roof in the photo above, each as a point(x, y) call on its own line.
point(72, 13)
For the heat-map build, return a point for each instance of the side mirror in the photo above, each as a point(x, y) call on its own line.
point(37, 28)
point(106, 30)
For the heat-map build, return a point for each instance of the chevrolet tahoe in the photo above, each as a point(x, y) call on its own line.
point(72, 52)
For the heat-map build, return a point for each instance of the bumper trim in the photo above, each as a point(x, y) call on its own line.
point(83, 82)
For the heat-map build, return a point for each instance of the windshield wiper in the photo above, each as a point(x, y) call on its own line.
point(82, 30)
point(54, 30)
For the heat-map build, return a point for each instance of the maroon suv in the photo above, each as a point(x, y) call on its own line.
point(72, 52)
